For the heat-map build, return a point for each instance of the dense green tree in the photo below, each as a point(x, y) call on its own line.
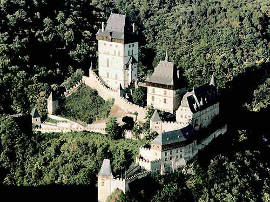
point(139, 96)
point(113, 129)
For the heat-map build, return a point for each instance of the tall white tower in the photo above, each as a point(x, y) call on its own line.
point(118, 52)
point(104, 181)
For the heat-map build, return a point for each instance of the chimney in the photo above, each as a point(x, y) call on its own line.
point(133, 27)
point(102, 27)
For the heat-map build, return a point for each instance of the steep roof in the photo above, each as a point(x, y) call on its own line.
point(175, 136)
point(201, 97)
point(155, 117)
point(117, 26)
point(34, 113)
point(105, 168)
point(116, 23)
point(164, 73)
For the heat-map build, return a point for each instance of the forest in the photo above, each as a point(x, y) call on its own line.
point(42, 43)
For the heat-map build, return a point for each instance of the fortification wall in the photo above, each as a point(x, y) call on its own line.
point(106, 93)
point(73, 89)
point(118, 183)
point(129, 135)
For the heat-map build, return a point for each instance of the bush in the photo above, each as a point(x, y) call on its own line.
point(85, 105)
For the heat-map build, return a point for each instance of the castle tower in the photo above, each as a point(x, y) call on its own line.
point(156, 123)
point(36, 118)
point(52, 103)
point(163, 90)
point(104, 181)
point(117, 52)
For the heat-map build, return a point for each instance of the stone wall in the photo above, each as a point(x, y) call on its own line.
point(107, 93)
point(129, 135)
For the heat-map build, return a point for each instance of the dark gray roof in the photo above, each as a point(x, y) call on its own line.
point(105, 168)
point(175, 136)
point(200, 97)
point(117, 26)
point(164, 73)
point(34, 113)
point(155, 117)
point(116, 23)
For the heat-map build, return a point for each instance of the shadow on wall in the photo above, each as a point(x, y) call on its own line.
point(49, 193)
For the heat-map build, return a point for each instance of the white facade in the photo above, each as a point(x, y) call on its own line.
point(157, 159)
point(162, 98)
point(112, 63)
point(200, 118)
point(107, 184)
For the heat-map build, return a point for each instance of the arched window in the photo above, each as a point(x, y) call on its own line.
point(108, 62)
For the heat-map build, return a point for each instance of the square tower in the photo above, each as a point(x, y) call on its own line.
point(118, 52)
point(163, 91)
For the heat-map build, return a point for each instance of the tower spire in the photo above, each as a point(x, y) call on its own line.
point(166, 57)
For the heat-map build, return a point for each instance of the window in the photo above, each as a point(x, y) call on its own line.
point(165, 100)
point(165, 153)
point(115, 76)
point(170, 152)
point(128, 53)
point(165, 92)
point(131, 52)
point(108, 62)
point(118, 53)
point(114, 52)
point(102, 183)
point(153, 90)
point(132, 45)
point(165, 159)
point(107, 74)
point(177, 151)
point(170, 158)
point(153, 98)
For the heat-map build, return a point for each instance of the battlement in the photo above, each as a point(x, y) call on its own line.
point(108, 93)
point(73, 88)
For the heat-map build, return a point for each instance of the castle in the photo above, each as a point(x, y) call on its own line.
point(197, 112)
point(117, 52)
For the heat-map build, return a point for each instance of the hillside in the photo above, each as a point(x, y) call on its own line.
point(42, 43)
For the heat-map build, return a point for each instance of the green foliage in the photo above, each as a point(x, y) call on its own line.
point(139, 96)
point(113, 129)
point(261, 98)
point(73, 79)
point(85, 105)
point(41, 42)
point(72, 158)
